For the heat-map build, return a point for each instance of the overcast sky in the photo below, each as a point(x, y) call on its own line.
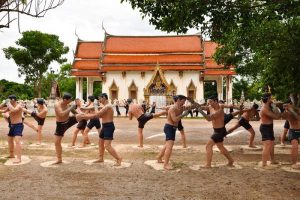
point(84, 16)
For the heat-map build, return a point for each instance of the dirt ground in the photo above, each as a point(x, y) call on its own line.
point(77, 180)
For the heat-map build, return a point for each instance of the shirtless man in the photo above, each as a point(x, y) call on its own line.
point(180, 127)
point(81, 124)
point(15, 128)
point(266, 128)
point(216, 116)
point(107, 132)
point(136, 110)
point(175, 114)
point(63, 122)
point(286, 125)
point(247, 115)
point(90, 108)
point(39, 117)
point(293, 116)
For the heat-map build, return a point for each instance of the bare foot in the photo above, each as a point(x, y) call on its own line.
point(230, 163)
point(98, 161)
point(71, 146)
point(184, 147)
point(57, 162)
point(10, 156)
point(81, 146)
point(267, 167)
point(168, 167)
point(295, 166)
point(38, 143)
point(252, 146)
point(118, 163)
point(159, 160)
point(17, 161)
point(274, 162)
point(140, 146)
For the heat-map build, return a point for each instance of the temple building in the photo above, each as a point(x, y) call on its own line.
point(151, 68)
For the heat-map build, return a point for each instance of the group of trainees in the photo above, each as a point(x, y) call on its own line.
point(86, 117)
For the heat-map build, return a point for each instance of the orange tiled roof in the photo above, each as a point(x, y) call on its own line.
point(88, 50)
point(143, 53)
point(153, 44)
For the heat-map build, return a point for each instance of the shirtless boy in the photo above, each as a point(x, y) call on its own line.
point(39, 116)
point(90, 108)
point(292, 114)
point(107, 132)
point(247, 115)
point(15, 128)
point(136, 110)
point(174, 116)
point(216, 116)
point(63, 122)
point(266, 128)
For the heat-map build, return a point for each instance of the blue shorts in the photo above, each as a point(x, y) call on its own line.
point(170, 132)
point(107, 131)
point(294, 134)
point(16, 130)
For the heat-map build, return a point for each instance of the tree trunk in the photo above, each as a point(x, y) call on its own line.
point(40, 88)
point(295, 98)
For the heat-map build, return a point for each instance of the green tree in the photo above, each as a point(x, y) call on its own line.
point(37, 51)
point(261, 38)
point(21, 90)
point(65, 81)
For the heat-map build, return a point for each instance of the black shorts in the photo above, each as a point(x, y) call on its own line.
point(180, 127)
point(94, 123)
point(107, 131)
point(219, 134)
point(267, 132)
point(244, 123)
point(286, 124)
point(144, 118)
point(294, 134)
point(81, 125)
point(170, 132)
point(227, 118)
point(39, 120)
point(16, 130)
point(62, 127)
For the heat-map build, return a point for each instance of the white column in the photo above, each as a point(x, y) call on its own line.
point(230, 89)
point(220, 88)
point(79, 87)
point(89, 86)
point(201, 92)
point(80, 94)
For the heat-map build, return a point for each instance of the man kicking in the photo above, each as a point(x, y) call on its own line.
point(107, 132)
point(267, 114)
point(216, 116)
point(63, 122)
point(39, 116)
point(175, 114)
point(81, 124)
point(90, 108)
point(15, 127)
point(244, 122)
point(136, 110)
